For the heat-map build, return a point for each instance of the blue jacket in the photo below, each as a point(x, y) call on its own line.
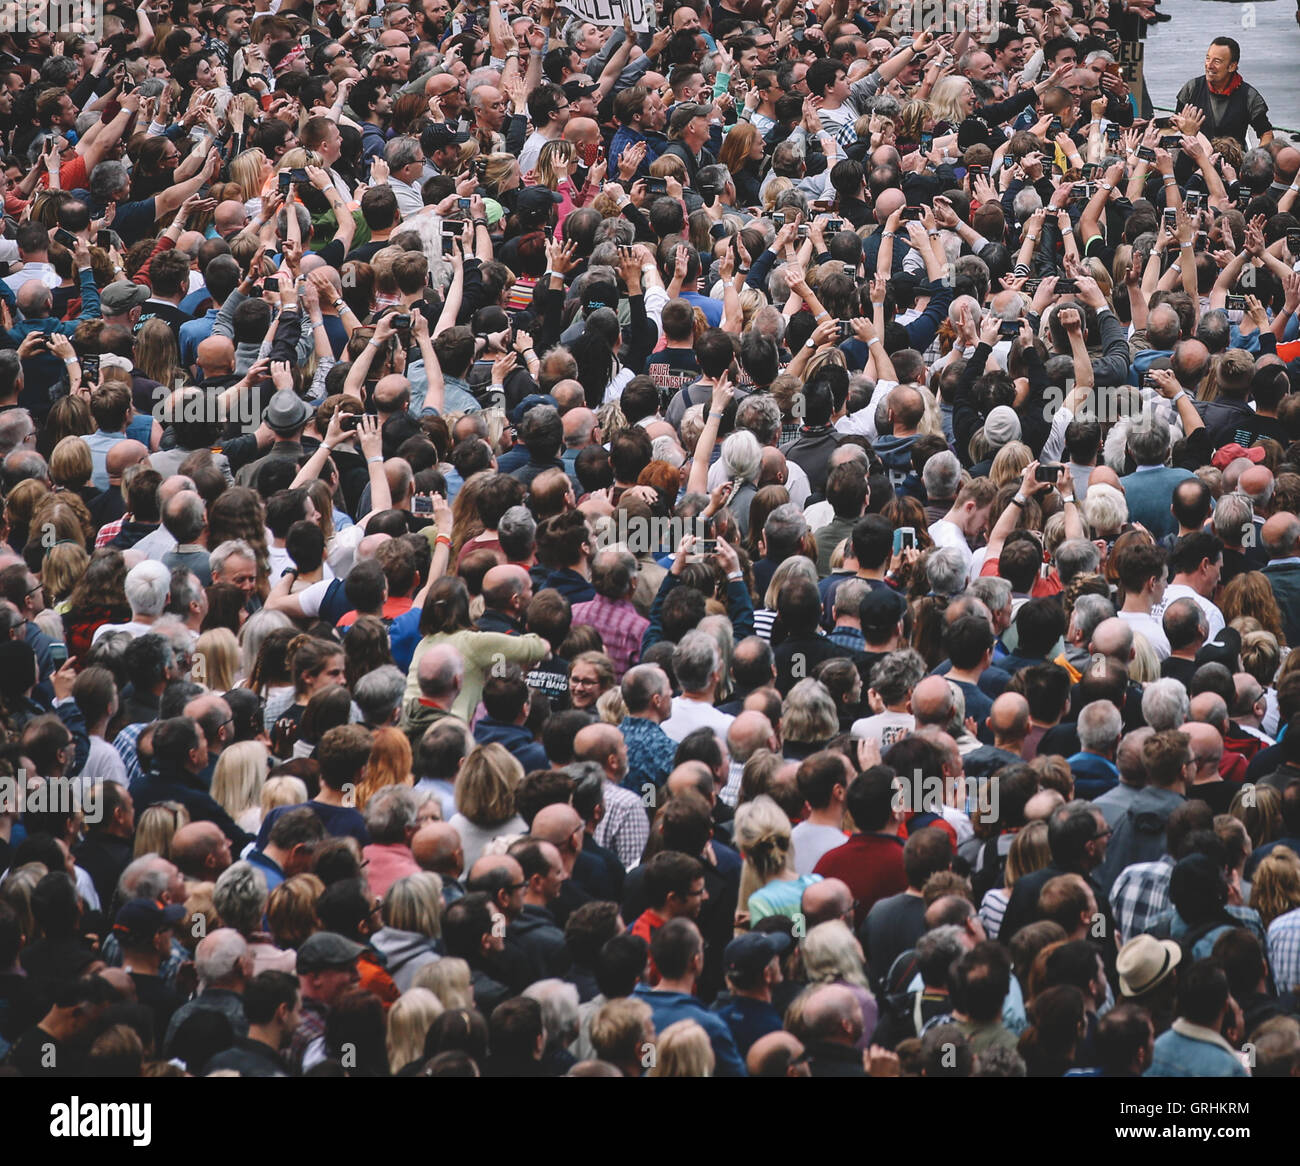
point(624, 137)
point(1148, 493)
point(1093, 775)
point(747, 1018)
point(517, 740)
point(670, 1007)
point(45, 370)
point(1187, 1050)
point(188, 790)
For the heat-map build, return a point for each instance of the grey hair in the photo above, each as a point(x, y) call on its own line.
point(1105, 509)
point(1100, 726)
point(240, 897)
point(946, 570)
point(1264, 496)
point(1026, 202)
point(1233, 516)
point(942, 476)
point(1149, 443)
point(1088, 613)
point(641, 684)
point(695, 659)
point(809, 713)
point(1165, 704)
point(761, 416)
point(991, 590)
point(219, 955)
point(258, 626)
point(742, 456)
point(787, 522)
point(304, 221)
point(849, 595)
point(389, 811)
point(1076, 556)
point(378, 693)
point(897, 674)
point(518, 523)
point(144, 878)
point(148, 587)
point(940, 948)
point(183, 516)
point(401, 151)
point(560, 1017)
point(778, 290)
point(107, 179)
point(666, 448)
point(228, 550)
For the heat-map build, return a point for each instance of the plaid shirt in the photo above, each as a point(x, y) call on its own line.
point(848, 637)
point(789, 431)
point(1140, 895)
point(311, 1028)
point(109, 531)
point(124, 743)
point(620, 626)
point(625, 828)
point(1284, 950)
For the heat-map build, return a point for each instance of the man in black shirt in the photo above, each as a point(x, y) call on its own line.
point(273, 1006)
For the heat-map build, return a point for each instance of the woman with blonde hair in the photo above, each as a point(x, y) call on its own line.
point(61, 570)
point(251, 171)
point(409, 1021)
point(20, 505)
point(157, 826)
point(1259, 809)
point(556, 165)
point(282, 790)
point(765, 616)
point(217, 653)
point(449, 980)
point(157, 355)
point(1275, 886)
point(412, 915)
point(291, 910)
point(1028, 853)
point(71, 465)
point(485, 799)
point(1009, 463)
point(683, 1050)
point(1145, 666)
point(832, 955)
point(951, 101)
point(769, 884)
point(389, 764)
point(238, 782)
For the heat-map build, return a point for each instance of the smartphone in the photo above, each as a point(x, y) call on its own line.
point(104, 239)
point(801, 231)
point(1045, 571)
point(1170, 217)
point(1083, 191)
point(974, 171)
point(349, 422)
point(1090, 169)
point(1030, 286)
point(401, 323)
point(58, 654)
point(284, 180)
point(656, 186)
point(1066, 287)
point(778, 218)
point(1010, 329)
point(1007, 14)
point(1055, 126)
point(844, 329)
point(1170, 142)
point(421, 504)
point(305, 41)
point(1048, 473)
point(1234, 303)
point(834, 226)
point(449, 238)
point(1146, 153)
point(821, 205)
point(1163, 123)
point(912, 214)
point(462, 204)
point(625, 249)
point(1112, 133)
point(480, 168)
point(706, 546)
point(65, 239)
point(904, 539)
point(1293, 240)
point(1192, 201)
point(850, 271)
point(376, 22)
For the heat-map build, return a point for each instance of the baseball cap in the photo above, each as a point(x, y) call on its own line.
point(121, 296)
point(537, 200)
point(751, 953)
point(577, 87)
point(439, 136)
point(147, 916)
point(1224, 648)
point(881, 608)
point(531, 401)
point(324, 950)
point(1229, 453)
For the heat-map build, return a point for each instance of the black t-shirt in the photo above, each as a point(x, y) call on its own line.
point(672, 369)
point(170, 314)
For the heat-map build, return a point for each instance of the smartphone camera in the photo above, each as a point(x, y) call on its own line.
point(462, 204)
point(376, 22)
point(844, 329)
point(1234, 303)
point(656, 186)
point(1048, 473)
point(401, 323)
point(778, 218)
point(1009, 329)
point(904, 539)
point(349, 422)
point(104, 239)
point(421, 504)
point(65, 239)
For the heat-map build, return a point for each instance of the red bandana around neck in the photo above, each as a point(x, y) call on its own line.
point(1229, 90)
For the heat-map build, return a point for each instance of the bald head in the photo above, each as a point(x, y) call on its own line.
point(597, 743)
point(1041, 805)
point(369, 545)
point(1281, 534)
point(441, 673)
point(436, 847)
point(569, 395)
point(692, 776)
point(506, 589)
point(888, 201)
point(774, 1055)
point(748, 733)
point(200, 850)
point(579, 426)
point(1009, 719)
point(491, 862)
point(1256, 483)
point(557, 824)
point(229, 217)
point(773, 469)
point(1206, 744)
point(581, 131)
point(216, 356)
point(826, 900)
point(1105, 476)
point(123, 454)
point(832, 1014)
point(932, 701)
point(1113, 638)
point(1209, 709)
point(1128, 757)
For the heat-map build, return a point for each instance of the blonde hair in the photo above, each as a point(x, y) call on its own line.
point(240, 775)
point(485, 786)
point(448, 979)
point(61, 570)
point(788, 569)
point(157, 826)
point(409, 1021)
point(70, 463)
point(291, 909)
point(284, 790)
point(1009, 463)
point(218, 649)
point(683, 1050)
point(610, 707)
point(831, 954)
point(945, 99)
point(246, 172)
point(498, 168)
point(762, 835)
point(198, 905)
point(553, 163)
point(1275, 889)
point(1145, 665)
point(414, 903)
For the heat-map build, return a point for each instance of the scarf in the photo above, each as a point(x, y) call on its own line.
point(1233, 83)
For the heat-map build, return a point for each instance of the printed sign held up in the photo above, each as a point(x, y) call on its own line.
point(609, 13)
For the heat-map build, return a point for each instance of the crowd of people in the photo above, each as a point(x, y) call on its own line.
point(765, 545)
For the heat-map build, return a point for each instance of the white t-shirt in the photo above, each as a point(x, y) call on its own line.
point(884, 728)
point(103, 763)
point(1144, 624)
point(689, 715)
point(136, 629)
point(948, 534)
point(1213, 616)
point(811, 842)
